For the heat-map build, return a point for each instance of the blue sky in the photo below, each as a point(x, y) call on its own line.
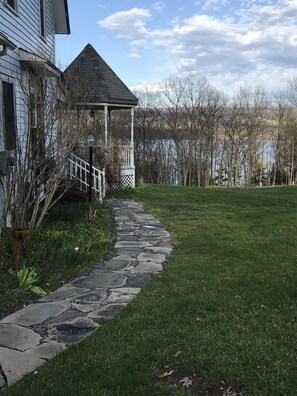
point(232, 42)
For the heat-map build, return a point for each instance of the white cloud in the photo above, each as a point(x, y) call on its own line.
point(219, 45)
point(128, 24)
point(138, 45)
point(259, 42)
point(208, 4)
point(159, 6)
point(281, 11)
point(146, 86)
point(174, 21)
point(134, 55)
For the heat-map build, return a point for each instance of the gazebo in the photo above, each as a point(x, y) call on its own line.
point(99, 88)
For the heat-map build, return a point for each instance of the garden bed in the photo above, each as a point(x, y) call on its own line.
point(72, 238)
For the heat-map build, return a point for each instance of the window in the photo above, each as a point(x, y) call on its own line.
point(9, 116)
point(42, 18)
point(12, 4)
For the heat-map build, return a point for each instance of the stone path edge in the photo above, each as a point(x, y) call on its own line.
point(39, 331)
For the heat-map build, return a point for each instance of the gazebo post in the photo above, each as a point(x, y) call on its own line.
point(109, 126)
point(132, 136)
point(106, 121)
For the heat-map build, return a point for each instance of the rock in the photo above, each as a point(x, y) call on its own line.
point(66, 316)
point(157, 258)
point(16, 364)
point(37, 313)
point(139, 280)
point(122, 295)
point(128, 252)
point(120, 262)
point(159, 249)
point(2, 382)
point(63, 293)
point(95, 296)
point(86, 308)
point(47, 350)
point(17, 337)
point(73, 331)
point(147, 267)
point(131, 244)
point(101, 280)
point(106, 313)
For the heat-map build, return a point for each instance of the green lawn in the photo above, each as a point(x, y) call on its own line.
point(224, 307)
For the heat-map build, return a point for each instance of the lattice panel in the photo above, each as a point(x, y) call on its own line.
point(127, 181)
point(113, 184)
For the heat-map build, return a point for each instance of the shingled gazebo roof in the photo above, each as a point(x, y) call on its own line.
point(96, 82)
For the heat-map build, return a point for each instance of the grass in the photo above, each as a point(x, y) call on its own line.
point(224, 306)
point(73, 237)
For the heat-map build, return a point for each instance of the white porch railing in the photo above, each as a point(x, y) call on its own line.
point(127, 156)
point(80, 170)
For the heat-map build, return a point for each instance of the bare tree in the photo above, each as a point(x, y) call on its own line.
point(49, 130)
point(249, 119)
point(191, 134)
point(147, 136)
point(193, 110)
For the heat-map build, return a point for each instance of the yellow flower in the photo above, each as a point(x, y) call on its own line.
point(76, 248)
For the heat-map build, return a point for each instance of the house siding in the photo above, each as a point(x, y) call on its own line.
point(23, 29)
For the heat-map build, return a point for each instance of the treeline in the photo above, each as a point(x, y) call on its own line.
point(189, 133)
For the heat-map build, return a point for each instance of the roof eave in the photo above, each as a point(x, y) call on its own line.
point(99, 105)
point(61, 16)
point(125, 102)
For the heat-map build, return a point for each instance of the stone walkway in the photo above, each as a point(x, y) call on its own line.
point(37, 332)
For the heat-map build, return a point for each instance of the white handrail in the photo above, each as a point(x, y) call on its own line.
point(80, 170)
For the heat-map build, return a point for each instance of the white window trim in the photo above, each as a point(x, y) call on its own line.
point(2, 142)
point(14, 10)
point(11, 81)
point(43, 36)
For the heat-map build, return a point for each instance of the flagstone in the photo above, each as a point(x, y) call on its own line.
point(18, 337)
point(37, 313)
point(16, 364)
point(157, 258)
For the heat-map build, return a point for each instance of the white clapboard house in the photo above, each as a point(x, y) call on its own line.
point(27, 39)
